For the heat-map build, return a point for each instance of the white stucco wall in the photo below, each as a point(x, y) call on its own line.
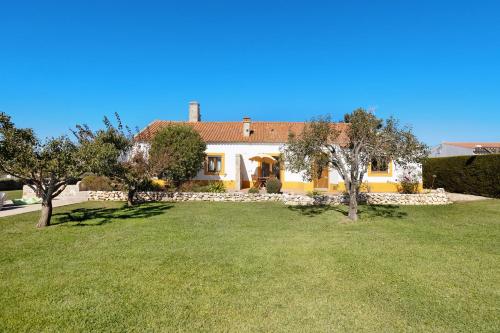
point(249, 167)
point(444, 150)
point(247, 150)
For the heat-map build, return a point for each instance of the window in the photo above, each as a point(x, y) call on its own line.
point(380, 165)
point(214, 164)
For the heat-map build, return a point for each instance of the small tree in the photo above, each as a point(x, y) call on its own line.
point(177, 153)
point(113, 152)
point(46, 167)
point(350, 147)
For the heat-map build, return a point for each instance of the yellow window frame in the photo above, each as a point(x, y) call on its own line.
point(387, 173)
point(222, 164)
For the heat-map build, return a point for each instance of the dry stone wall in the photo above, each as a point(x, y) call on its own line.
point(434, 197)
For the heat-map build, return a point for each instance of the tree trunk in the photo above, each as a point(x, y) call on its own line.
point(353, 203)
point(130, 198)
point(46, 215)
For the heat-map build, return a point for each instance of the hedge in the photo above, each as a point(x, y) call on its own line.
point(9, 184)
point(95, 183)
point(479, 175)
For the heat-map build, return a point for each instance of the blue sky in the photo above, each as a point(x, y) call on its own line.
point(432, 64)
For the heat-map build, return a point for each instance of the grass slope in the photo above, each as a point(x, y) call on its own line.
point(252, 267)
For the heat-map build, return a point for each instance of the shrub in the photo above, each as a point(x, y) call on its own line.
point(409, 181)
point(96, 183)
point(216, 187)
point(479, 175)
point(177, 153)
point(253, 190)
point(314, 193)
point(151, 185)
point(273, 185)
point(9, 184)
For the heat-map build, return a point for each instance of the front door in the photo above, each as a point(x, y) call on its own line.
point(321, 182)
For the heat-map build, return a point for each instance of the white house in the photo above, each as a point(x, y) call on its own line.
point(244, 154)
point(446, 149)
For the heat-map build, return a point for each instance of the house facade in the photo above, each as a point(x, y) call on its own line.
point(242, 154)
point(446, 149)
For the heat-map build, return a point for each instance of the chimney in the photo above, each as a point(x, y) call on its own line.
point(246, 126)
point(194, 112)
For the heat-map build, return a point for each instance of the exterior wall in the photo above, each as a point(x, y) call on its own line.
point(444, 150)
point(248, 168)
point(376, 182)
point(292, 182)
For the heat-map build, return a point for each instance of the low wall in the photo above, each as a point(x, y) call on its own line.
point(435, 197)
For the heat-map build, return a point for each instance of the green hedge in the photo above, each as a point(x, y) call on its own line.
point(8, 184)
point(479, 175)
point(95, 183)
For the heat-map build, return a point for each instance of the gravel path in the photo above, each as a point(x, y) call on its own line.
point(459, 197)
point(9, 209)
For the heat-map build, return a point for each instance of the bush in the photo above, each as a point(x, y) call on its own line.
point(479, 175)
point(9, 184)
point(408, 184)
point(216, 187)
point(177, 153)
point(192, 186)
point(273, 185)
point(96, 183)
point(253, 190)
point(314, 193)
point(151, 185)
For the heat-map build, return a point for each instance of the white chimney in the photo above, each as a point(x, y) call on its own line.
point(246, 126)
point(194, 112)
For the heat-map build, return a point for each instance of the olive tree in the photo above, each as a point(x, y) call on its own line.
point(177, 153)
point(114, 153)
point(349, 147)
point(46, 167)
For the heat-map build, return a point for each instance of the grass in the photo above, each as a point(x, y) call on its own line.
point(14, 194)
point(252, 267)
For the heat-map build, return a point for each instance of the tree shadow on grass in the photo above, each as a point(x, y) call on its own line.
point(313, 210)
point(384, 211)
point(364, 211)
point(98, 216)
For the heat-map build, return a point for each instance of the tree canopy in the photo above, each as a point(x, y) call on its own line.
point(349, 147)
point(47, 167)
point(177, 153)
point(114, 152)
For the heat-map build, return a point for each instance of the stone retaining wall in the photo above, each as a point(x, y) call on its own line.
point(435, 197)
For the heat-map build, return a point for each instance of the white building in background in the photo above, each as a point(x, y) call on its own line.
point(446, 149)
point(245, 154)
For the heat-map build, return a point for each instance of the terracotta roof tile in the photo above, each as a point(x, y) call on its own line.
point(225, 132)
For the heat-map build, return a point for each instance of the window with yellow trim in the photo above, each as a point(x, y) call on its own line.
point(380, 166)
point(214, 164)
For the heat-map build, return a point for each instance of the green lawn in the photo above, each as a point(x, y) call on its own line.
point(252, 267)
point(14, 194)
